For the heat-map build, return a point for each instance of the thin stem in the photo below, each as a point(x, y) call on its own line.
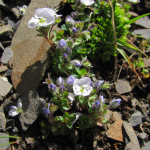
point(115, 40)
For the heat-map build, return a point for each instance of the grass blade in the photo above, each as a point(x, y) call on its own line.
point(132, 20)
point(120, 42)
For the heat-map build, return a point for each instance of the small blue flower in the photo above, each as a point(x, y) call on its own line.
point(91, 84)
point(53, 87)
point(74, 30)
point(70, 80)
point(115, 103)
point(62, 43)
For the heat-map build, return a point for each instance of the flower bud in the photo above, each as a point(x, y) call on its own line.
point(61, 89)
point(98, 83)
point(70, 80)
point(68, 51)
point(52, 87)
point(60, 81)
point(74, 30)
point(70, 22)
point(101, 99)
point(62, 43)
point(46, 111)
point(76, 63)
point(115, 103)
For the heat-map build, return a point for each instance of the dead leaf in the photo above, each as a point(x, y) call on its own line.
point(115, 131)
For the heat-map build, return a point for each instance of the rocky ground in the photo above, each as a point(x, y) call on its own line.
point(24, 60)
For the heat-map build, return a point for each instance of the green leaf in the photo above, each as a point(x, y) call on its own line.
point(132, 20)
point(78, 71)
point(93, 97)
point(66, 114)
point(78, 41)
point(83, 71)
point(53, 108)
point(61, 34)
point(57, 21)
point(65, 94)
point(64, 27)
point(69, 125)
point(61, 59)
point(93, 92)
point(53, 128)
point(61, 118)
point(90, 110)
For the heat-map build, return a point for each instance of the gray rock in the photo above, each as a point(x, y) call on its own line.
point(123, 86)
point(134, 143)
point(2, 121)
point(144, 22)
point(8, 73)
point(142, 32)
point(31, 52)
point(11, 23)
point(146, 62)
point(5, 87)
point(8, 53)
point(16, 12)
point(31, 108)
point(133, 14)
point(146, 145)
point(4, 140)
point(16, 26)
point(142, 135)
point(5, 31)
point(136, 119)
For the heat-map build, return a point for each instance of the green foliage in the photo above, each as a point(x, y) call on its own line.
point(102, 38)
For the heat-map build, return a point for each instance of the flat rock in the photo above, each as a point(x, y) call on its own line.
point(5, 87)
point(3, 68)
point(31, 108)
point(146, 145)
point(123, 86)
point(31, 57)
point(8, 73)
point(5, 31)
point(144, 22)
point(136, 119)
point(7, 54)
point(134, 143)
point(142, 32)
point(4, 140)
point(2, 121)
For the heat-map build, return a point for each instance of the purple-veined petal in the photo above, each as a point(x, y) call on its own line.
point(50, 20)
point(44, 12)
point(13, 111)
point(70, 80)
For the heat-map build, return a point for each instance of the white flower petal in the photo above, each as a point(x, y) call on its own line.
point(13, 111)
point(44, 12)
point(19, 103)
point(87, 2)
point(85, 81)
point(87, 91)
point(50, 20)
point(33, 22)
point(77, 82)
point(77, 90)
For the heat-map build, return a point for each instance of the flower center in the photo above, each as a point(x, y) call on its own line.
point(41, 20)
point(81, 89)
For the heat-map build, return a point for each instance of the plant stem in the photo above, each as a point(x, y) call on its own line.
point(115, 40)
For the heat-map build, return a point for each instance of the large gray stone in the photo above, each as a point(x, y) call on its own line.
point(31, 108)
point(144, 22)
point(136, 119)
point(142, 32)
point(123, 86)
point(134, 143)
point(31, 52)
